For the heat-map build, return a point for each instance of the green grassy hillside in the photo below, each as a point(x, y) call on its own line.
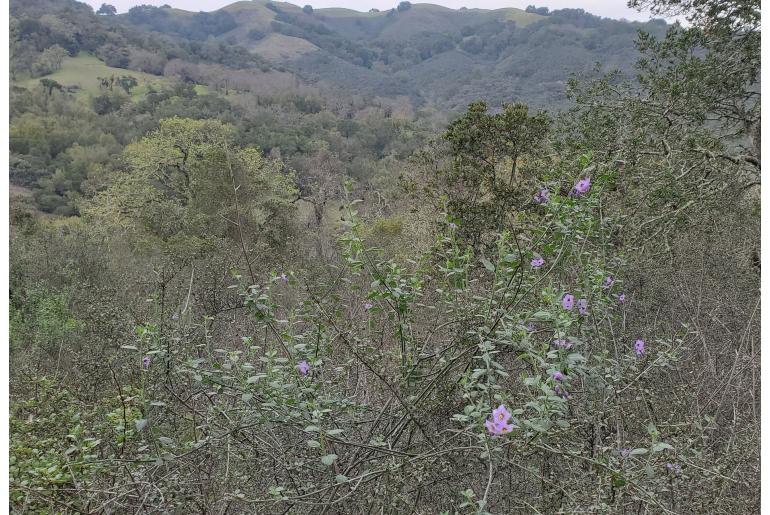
point(279, 47)
point(249, 15)
point(84, 71)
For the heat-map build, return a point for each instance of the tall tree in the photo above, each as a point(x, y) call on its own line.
point(485, 167)
point(107, 9)
point(189, 182)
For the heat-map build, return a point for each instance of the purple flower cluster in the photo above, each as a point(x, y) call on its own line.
point(639, 347)
point(537, 262)
point(559, 389)
point(581, 188)
point(674, 468)
point(568, 302)
point(542, 196)
point(622, 298)
point(283, 277)
point(608, 282)
point(562, 344)
point(368, 306)
point(146, 362)
point(499, 424)
point(303, 367)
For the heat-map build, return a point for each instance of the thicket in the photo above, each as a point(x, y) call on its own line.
point(533, 313)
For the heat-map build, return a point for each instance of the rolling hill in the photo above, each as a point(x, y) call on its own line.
point(436, 56)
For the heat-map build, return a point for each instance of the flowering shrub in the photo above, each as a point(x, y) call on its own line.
point(436, 381)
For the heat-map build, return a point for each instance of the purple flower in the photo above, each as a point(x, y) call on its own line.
point(303, 367)
point(583, 307)
point(562, 344)
point(283, 277)
point(499, 424)
point(542, 196)
point(674, 468)
point(537, 262)
point(561, 391)
point(568, 301)
point(368, 306)
point(531, 327)
point(558, 376)
point(622, 298)
point(639, 347)
point(581, 188)
point(608, 281)
point(452, 225)
point(501, 414)
point(625, 452)
point(146, 361)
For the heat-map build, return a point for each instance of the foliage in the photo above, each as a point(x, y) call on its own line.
point(187, 182)
point(50, 60)
point(199, 26)
point(542, 11)
point(52, 451)
point(44, 315)
point(267, 295)
point(675, 131)
point(453, 343)
point(107, 10)
point(491, 161)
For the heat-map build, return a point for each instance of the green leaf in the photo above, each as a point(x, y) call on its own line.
point(487, 264)
point(539, 425)
point(341, 478)
point(328, 459)
point(638, 451)
point(661, 446)
point(140, 423)
point(312, 429)
point(313, 444)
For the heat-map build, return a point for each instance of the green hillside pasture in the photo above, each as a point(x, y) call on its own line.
point(84, 70)
point(279, 47)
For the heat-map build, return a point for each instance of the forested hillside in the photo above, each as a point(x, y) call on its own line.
point(281, 68)
point(428, 53)
point(278, 259)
